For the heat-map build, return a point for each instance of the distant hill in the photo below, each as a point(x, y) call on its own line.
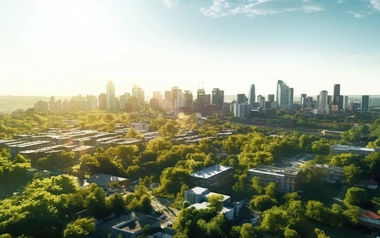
point(11, 103)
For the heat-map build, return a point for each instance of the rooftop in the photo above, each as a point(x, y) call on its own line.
point(225, 197)
point(348, 149)
point(27, 144)
point(210, 171)
point(131, 226)
point(371, 215)
point(104, 179)
point(199, 190)
point(275, 171)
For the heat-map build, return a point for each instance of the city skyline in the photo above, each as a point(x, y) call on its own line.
point(72, 47)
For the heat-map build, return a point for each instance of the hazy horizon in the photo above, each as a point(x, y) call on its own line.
point(75, 47)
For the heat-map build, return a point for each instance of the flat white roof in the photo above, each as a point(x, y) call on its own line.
point(210, 171)
point(199, 190)
point(268, 172)
point(351, 148)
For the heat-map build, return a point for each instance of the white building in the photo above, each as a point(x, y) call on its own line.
point(241, 110)
point(339, 149)
point(287, 180)
point(199, 195)
point(323, 102)
point(110, 96)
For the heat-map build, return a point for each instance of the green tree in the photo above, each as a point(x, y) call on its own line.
point(247, 231)
point(353, 174)
point(257, 186)
point(216, 201)
point(354, 196)
point(79, 228)
point(290, 233)
point(320, 233)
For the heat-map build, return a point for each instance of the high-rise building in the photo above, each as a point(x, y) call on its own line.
point(52, 104)
point(241, 98)
point(329, 100)
point(102, 101)
point(188, 97)
point(323, 102)
point(318, 101)
point(303, 101)
point(202, 97)
point(123, 100)
point(138, 93)
point(110, 93)
point(270, 98)
point(58, 105)
point(41, 106)
point(291, 96)
point(217, 98)
point(180, 99)
point(309, 102)
point(336, 94)
point(283, 94)
point(158, 95)
point(340, 102)
point(262, 102)
point(241, 110)
point(175, 92)
point(365, 103)
point(346, 105)
point(252, 95)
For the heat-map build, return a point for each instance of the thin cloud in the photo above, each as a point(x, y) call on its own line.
point(254, 8)
point(340, 1)
point(376, 4)
point(312, 8)
point(170, 3)
point(356, 14)
point(370, 56)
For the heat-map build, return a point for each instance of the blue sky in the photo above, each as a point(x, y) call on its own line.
point(72, 47)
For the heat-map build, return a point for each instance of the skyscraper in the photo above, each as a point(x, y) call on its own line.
point(241, 98)
point(335, 99)
point(283, 94)
point(217, 98)
point(188, 98)
point(291, 96)
point(303, 101)
point(365, 103)
point(110, 96)
point(346, 104)
point(270, 97)
point(323, 104)
point(138, 93)
point(252, 95)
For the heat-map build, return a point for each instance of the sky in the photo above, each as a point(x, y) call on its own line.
point(71, 47)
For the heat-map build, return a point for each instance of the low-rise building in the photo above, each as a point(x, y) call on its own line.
point(370, 217)
point(286, 179)
point(228, 212)
point(370, 184)
point(211, 177)
point(339, 149)
point(199, 195)
point(333, 174)
point(103, 180)
point(134, 227)
point(140, 126)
